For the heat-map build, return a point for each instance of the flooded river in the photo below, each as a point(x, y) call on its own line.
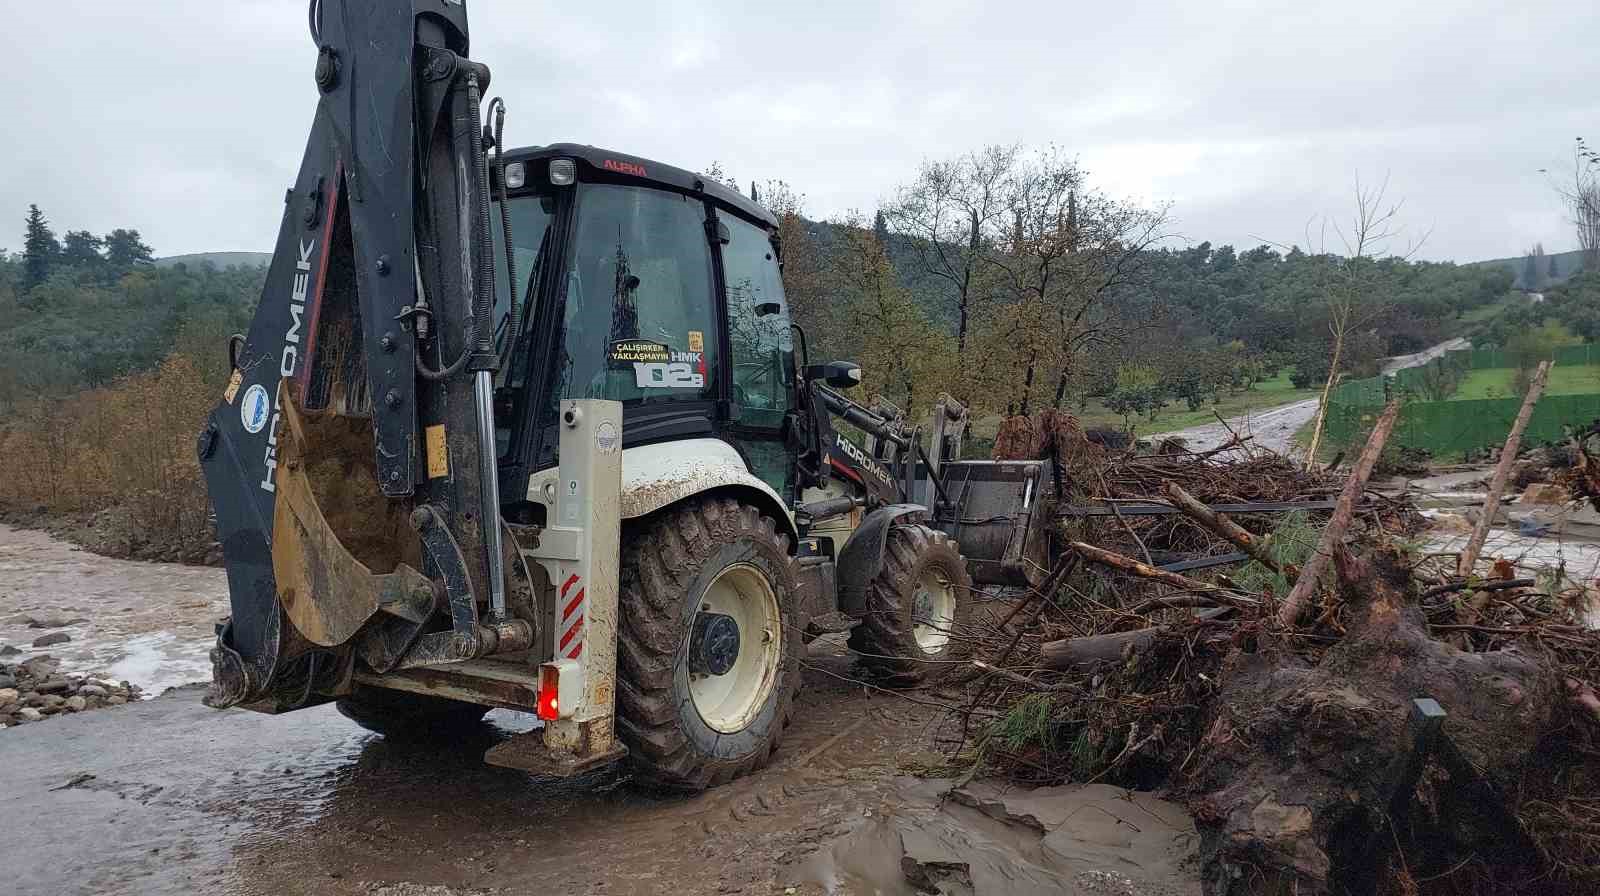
point(149, 623)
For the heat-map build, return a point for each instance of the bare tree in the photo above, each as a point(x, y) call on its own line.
point(1582, 197)
point(954, 213)
point(1070, 249)
point(1351, 287)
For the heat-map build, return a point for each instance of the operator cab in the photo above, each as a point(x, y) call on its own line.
point(645, 284)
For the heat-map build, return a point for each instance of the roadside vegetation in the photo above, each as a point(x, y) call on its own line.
point(1003, 276)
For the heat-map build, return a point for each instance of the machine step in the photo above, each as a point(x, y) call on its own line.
point(528, 753)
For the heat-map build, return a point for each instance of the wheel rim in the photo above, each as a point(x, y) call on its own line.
point(933, 610)
point(728, 703)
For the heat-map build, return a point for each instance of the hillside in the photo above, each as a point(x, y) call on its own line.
point(221, 260)
point(1558, 269)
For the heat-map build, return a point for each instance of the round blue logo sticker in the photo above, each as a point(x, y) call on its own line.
point(255, 409)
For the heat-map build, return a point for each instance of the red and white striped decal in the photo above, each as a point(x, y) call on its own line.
point(572, 607)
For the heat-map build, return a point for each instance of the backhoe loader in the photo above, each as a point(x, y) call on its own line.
point(532, 429)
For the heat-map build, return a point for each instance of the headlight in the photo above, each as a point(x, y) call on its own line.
point(563, 172)
point(516, 175)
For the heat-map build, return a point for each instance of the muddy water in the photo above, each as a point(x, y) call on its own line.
point(149, 623)
point(166, 796)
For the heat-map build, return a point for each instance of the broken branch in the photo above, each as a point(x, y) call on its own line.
point(1311, 577)
point(1502, 470)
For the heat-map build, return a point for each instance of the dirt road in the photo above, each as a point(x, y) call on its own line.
point(166, 796)
point(1271, 429)
point(1274, 429)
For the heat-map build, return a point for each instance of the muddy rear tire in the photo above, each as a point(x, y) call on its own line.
point(918, 606)
point(712, 557)
point(401, 715)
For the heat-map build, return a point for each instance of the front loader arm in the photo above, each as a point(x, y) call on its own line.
point(373, 337)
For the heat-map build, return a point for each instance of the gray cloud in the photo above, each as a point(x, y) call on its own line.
point(186, 119)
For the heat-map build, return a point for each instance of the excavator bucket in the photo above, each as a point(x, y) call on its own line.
point(324, 567)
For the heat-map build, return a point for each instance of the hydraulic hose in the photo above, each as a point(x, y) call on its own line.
point(463, 139)
point(497, 108)
point(483, 285)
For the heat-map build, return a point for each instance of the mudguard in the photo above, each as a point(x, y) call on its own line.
point(862, 556)
point(654, 476)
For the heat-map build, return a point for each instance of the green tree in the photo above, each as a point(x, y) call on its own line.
point(1139, 390)
point(81, 249)
point(40, 249)
point(125, 250)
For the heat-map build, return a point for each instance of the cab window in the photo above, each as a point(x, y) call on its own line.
point(759, 341)
point(639, 320)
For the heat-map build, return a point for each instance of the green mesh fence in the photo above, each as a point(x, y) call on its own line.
point(1457, 427)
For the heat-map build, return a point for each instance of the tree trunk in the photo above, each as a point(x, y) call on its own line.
point(1333, 536)
point(1322, 403)
point(1220, 524)
point(1304, 770)
point(1497, 484)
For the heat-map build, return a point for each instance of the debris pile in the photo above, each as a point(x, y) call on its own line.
point(1339, 713)
point(34, 690)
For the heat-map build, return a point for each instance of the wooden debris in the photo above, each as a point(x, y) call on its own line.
point(1333, 535)
point(1502, 470)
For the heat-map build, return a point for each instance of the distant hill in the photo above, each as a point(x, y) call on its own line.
point(220, 260)
point(1558, 269)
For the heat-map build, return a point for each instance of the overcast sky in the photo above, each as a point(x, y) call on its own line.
point(186, 118)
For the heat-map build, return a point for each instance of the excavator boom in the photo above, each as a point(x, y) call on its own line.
point(354, 444)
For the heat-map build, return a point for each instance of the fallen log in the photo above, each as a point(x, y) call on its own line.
point(1072, 653)
point(1143, 570)
point(1220, 524)
point(1502, 471)
point(1077, 653)
point(1332, 536)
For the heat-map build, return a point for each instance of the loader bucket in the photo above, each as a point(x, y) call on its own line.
point(1001, 518)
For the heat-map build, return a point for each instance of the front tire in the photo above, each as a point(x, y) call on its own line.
point(919, 607)
point(722, 565)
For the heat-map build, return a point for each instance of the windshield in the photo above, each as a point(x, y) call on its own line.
point(639, 321)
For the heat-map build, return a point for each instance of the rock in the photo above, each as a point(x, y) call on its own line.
point(93, 690)
point(20, 620)
point(8, 650)
point(10, 695)
point(76, 704)
point(55, 684)
point(49, 701)
point(40, 666)
point(54, 621)
point(1545, 493)
point(116, 701)
point(52, 639)
point(1444, 521)
point(29, 714)
point(8, 681)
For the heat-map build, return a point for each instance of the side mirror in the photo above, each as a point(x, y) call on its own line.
point(838, 374)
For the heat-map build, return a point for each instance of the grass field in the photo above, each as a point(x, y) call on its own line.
point(1497, 382)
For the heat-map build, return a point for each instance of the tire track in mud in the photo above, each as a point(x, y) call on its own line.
point(167, 796)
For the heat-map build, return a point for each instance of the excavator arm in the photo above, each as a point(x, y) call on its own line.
point(351, 462)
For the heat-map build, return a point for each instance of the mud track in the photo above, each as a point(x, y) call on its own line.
point(168, 796)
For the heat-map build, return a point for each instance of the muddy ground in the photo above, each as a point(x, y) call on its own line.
point(166, 796)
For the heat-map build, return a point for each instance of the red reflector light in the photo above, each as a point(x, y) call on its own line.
point(549, 692)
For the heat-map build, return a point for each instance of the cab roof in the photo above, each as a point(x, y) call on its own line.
point(618, 164)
